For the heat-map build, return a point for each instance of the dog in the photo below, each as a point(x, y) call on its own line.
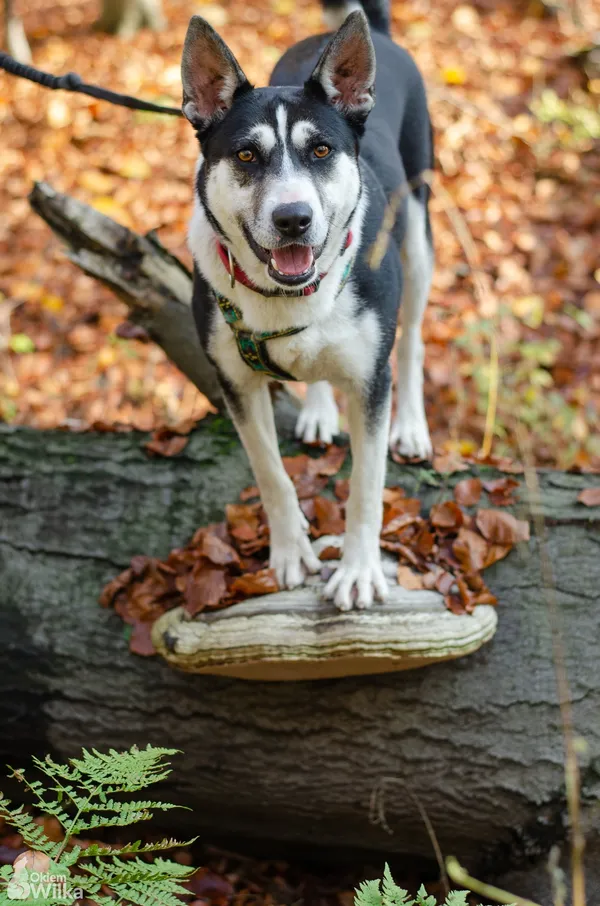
point(291, 188)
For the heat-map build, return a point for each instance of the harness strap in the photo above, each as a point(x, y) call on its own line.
point(252, 344)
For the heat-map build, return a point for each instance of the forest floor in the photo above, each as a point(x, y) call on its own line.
point(517, 194)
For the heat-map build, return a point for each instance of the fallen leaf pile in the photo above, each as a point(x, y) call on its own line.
point(227, 562)
point(517, 154)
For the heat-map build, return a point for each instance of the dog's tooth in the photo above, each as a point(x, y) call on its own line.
point(274, 265)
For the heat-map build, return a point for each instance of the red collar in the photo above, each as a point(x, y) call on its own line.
point(237, 275)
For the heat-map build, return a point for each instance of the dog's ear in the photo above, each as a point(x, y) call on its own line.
point(346, 70)
point(210, 74)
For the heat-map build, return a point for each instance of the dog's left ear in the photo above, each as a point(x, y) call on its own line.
point(211, 75)
point(346, 70)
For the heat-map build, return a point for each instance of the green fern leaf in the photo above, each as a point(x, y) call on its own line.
point(457, 898)
point(423, 899)
point(368, 894)
point(129, 848)
point(392, 894)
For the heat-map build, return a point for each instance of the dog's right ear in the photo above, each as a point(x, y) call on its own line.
point(210, 74)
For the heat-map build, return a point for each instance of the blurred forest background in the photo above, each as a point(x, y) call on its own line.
point(514, 93)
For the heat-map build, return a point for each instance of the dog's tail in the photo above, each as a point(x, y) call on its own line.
point(376, 11)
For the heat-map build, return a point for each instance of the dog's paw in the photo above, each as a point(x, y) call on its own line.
point(291, 557)
point(409, 434)
point(319, 418)
point(357, 580)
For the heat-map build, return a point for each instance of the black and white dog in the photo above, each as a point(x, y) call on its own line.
point(291, 188)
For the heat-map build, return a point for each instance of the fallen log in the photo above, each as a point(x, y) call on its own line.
point(341, 762)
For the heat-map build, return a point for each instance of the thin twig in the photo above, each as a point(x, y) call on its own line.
point(462, 877)
point(379, 247)
point(572, 772)
point(377, 816)
point(487, 304)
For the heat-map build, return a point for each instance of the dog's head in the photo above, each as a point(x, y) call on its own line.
point(279, 178)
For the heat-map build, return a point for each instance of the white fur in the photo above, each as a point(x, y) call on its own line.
point(302, 131)
point(265, 136)
point(281, 117)
point(290, 547)
point(319, 418)
point(410, 433)
point(334, 18)
point(360, 568)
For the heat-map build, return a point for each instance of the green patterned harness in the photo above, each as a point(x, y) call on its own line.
point(252, 344)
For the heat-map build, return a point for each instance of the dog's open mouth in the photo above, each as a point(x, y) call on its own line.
point(288, 265)
point(292, 264)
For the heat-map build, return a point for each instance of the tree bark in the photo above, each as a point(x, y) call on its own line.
point(125, 17)
point(343, 762)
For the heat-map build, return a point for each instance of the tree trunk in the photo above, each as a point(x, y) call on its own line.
point(331, 763)
point(125, 17)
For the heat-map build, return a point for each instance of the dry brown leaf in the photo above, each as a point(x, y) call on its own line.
point(140, 641)
point(409, 579)
point(331, 553)
point(589, 497)
point(205, 587)
point(263, 582)
point(501, 528)
point(468, 491)
point(470, 549)
point(447, 516)
point(165, 442)
point(328, 517)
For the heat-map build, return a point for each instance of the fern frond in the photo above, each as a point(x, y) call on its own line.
point(457, 898)
point(129, 848)
point(368, 894)
point(424, 900)
point(392, 894)
point(114, 805)
point(33, 834)
point(127, 771)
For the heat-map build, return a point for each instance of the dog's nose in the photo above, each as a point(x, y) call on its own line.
point(292, 220)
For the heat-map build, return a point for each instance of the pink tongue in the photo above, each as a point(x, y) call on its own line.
point(293, 259)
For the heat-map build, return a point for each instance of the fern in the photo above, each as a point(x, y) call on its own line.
point(387, 893)
point(83, 795)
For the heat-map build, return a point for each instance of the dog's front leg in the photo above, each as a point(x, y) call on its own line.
point(360, 575)
point(252, 414)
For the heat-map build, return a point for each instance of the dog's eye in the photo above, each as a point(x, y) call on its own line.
point(321, 151)
point(246, 156)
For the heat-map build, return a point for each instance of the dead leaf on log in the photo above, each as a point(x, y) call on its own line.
point(447, 516)
point(589, 497)
point(468, 491)
point(165, 442)
point(328, 517)
point(331, 553)
point(205, 587)
point(263, 582)
point(501, 528)
point(140, 641)
point(409, 579)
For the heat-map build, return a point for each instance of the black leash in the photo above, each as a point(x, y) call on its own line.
point(72, 82)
